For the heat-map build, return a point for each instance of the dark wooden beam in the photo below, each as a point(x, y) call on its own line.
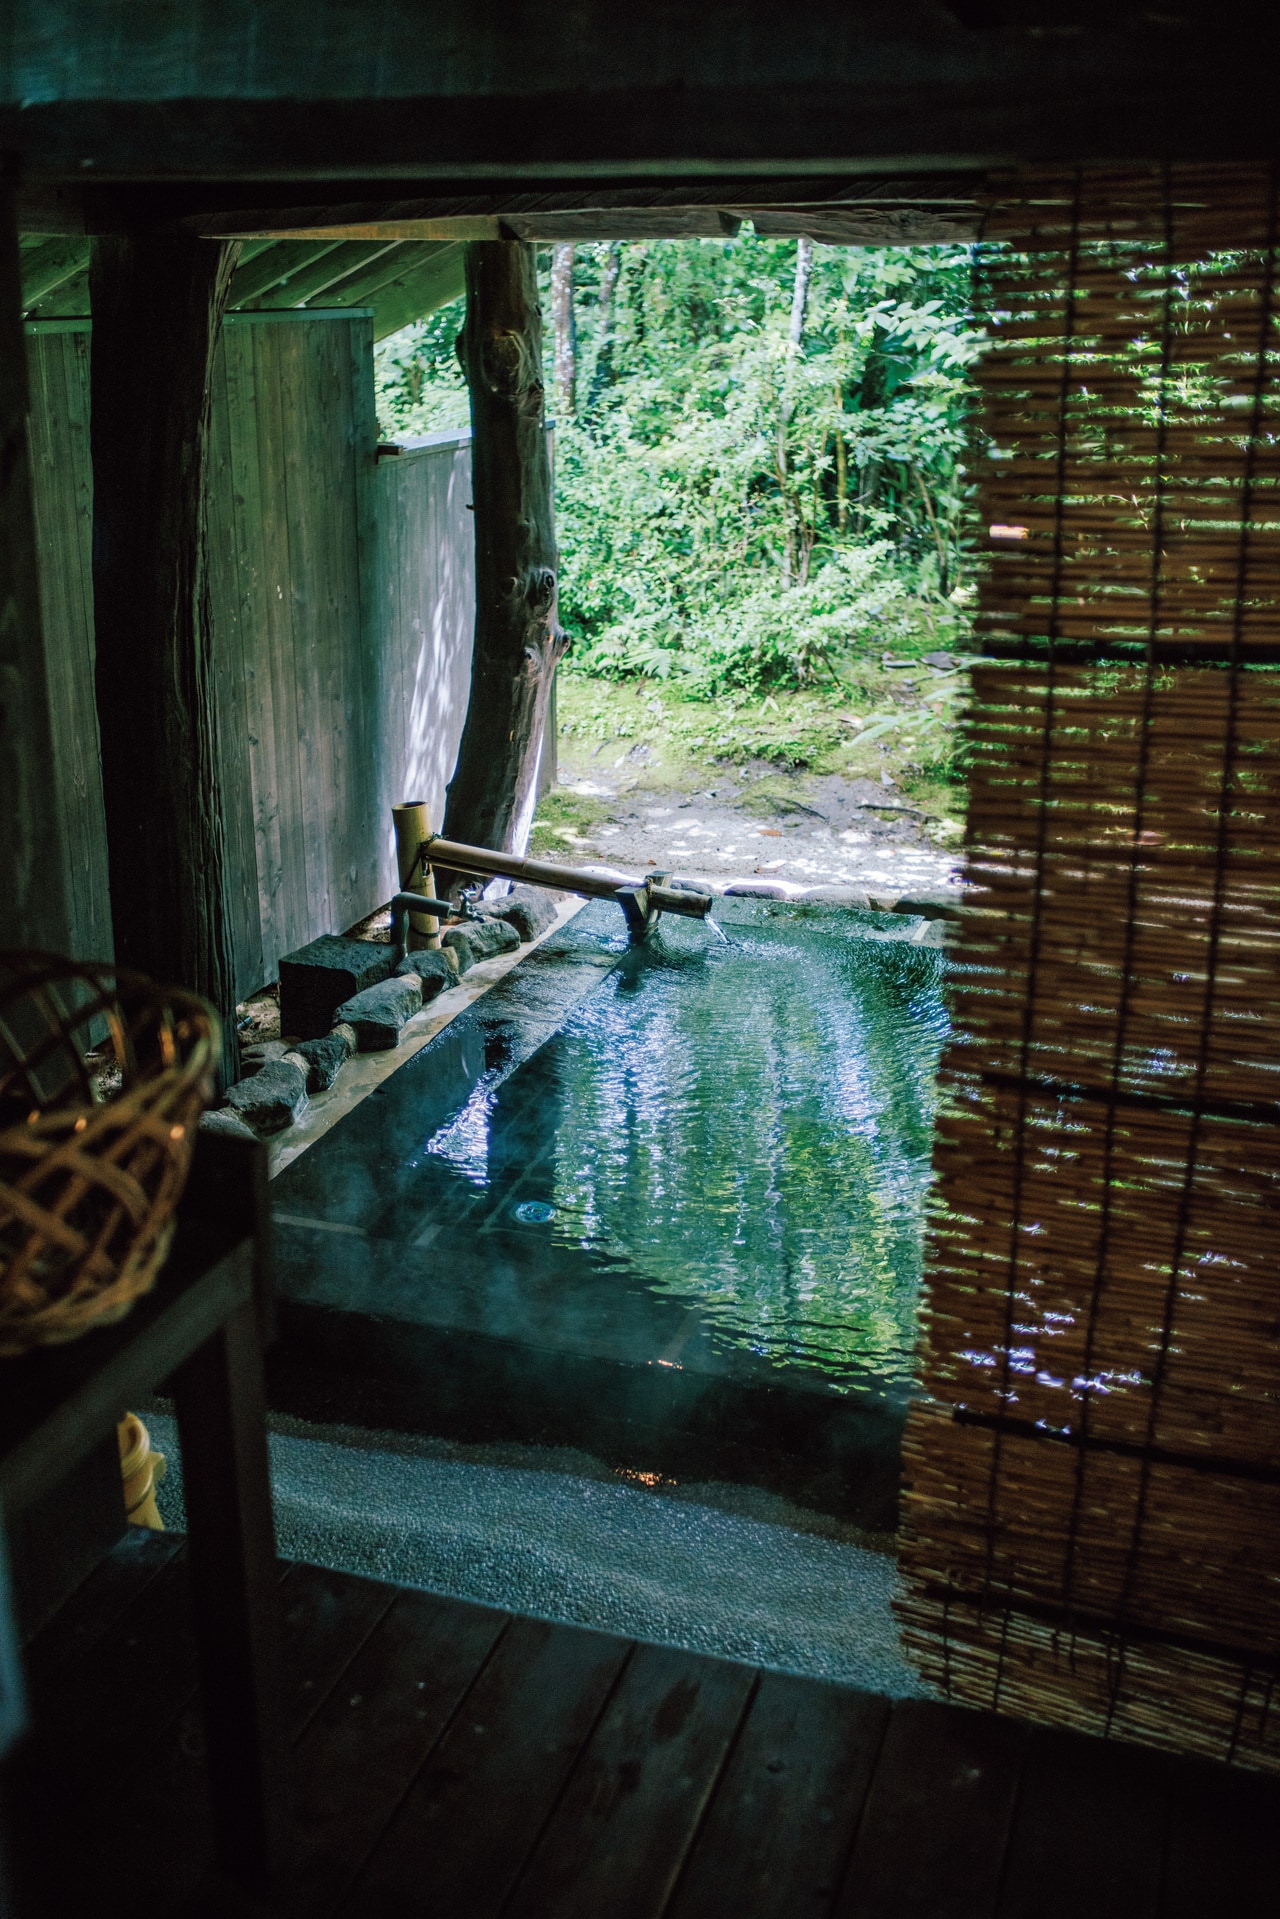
point(47, 267)
point(274, 266)
point(389, 268)
point(314, 281)
point(859, 226)
point(33, 908)
point(230, 208)
point(157, 306)
point(518, 637)
point(436, 277)
point(275, 89)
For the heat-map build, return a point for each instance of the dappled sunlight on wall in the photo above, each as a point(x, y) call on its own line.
point(425, 616)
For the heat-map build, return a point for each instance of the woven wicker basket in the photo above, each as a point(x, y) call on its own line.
point(90, 1176)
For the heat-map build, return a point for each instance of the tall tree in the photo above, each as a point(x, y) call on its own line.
point(602, 371)
point(564, 328)
point(795, 340)
point(800, 290)
point(157, 304)
point(518, 637)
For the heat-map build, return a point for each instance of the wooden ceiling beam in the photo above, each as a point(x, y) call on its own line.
point(386, 272)
point(356, 210)
point(314, 280)
point(49, 266)
point(273, 267)
point(279, 90)
point(433, 283)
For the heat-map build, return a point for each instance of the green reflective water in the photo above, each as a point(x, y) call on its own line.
point(745, 1125)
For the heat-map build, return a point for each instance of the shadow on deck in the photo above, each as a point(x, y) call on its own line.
point(454, 1760)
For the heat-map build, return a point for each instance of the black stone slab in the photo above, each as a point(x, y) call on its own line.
point(413, 1298)
point(316, 979)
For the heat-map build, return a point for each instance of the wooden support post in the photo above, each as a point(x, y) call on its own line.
point(33, 908)
point(157, 306)
point(518, 637)
point(218, 1397)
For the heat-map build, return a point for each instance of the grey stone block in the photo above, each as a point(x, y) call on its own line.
point(837, 896)
point(272, 1099)
point(254, 1058)
point(223, 1120)
point(432, 970)
point(480, 940)
point(377, 1014)
point(316, 980)
point(528, 908)
point(323, 1058)
point(931, 903)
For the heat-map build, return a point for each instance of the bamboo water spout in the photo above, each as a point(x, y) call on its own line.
point(641, 900)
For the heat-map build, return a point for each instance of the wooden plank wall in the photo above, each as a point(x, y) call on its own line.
point(342, 591)
point(58, 372)
point(291, 563)
point(426, 593)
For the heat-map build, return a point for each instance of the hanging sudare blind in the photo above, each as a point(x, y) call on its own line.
point(1092, 1511)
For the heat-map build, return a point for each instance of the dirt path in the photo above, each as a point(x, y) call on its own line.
point(792, 831)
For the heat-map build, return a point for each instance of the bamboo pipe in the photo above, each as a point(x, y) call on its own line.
point(564, 879)
point(413, 827)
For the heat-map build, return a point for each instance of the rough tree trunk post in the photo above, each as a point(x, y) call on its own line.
point(157, 305)
point(33, 907)
point(565, 330)
point(518, 637)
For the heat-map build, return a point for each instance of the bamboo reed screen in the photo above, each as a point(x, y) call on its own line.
point(1091, 1529)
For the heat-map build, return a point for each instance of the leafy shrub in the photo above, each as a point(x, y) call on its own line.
point(735, 511)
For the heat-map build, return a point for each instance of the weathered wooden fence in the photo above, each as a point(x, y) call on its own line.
point(425, 587)
point(342, 590)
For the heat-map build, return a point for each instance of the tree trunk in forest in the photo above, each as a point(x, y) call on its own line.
point(518, 637)
point(157, 305)
point(795, 337)
point(602, 372)
point(800, 292)
point(33, 905)
point(564, 330)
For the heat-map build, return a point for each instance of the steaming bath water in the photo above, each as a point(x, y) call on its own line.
point(652, 1218)
point(742, 1126)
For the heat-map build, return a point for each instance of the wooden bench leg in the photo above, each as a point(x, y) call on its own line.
point(218, 1395)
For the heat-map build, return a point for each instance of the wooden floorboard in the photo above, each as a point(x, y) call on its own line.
point(475, 1811)
point(1223, 1833)
point(98, 1603)
point(327, 1617)
point(934, 1833)
point(396, 1698)
point(1089, 1834)
point(451, 1760)
point(619, 1837)
point(783, 1818)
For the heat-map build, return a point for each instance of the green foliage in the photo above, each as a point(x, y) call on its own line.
point(735, 512)
point(417, 378)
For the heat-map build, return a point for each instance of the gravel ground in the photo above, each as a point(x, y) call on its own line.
point(794, 831)
point(579, 1547)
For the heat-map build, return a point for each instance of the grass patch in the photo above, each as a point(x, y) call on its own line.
point(894, 721)
point(564, 820)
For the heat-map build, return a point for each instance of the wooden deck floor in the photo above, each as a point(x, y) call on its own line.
point(456, 1761)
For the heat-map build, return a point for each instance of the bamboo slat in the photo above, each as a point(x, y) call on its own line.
point(1091, 1531)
